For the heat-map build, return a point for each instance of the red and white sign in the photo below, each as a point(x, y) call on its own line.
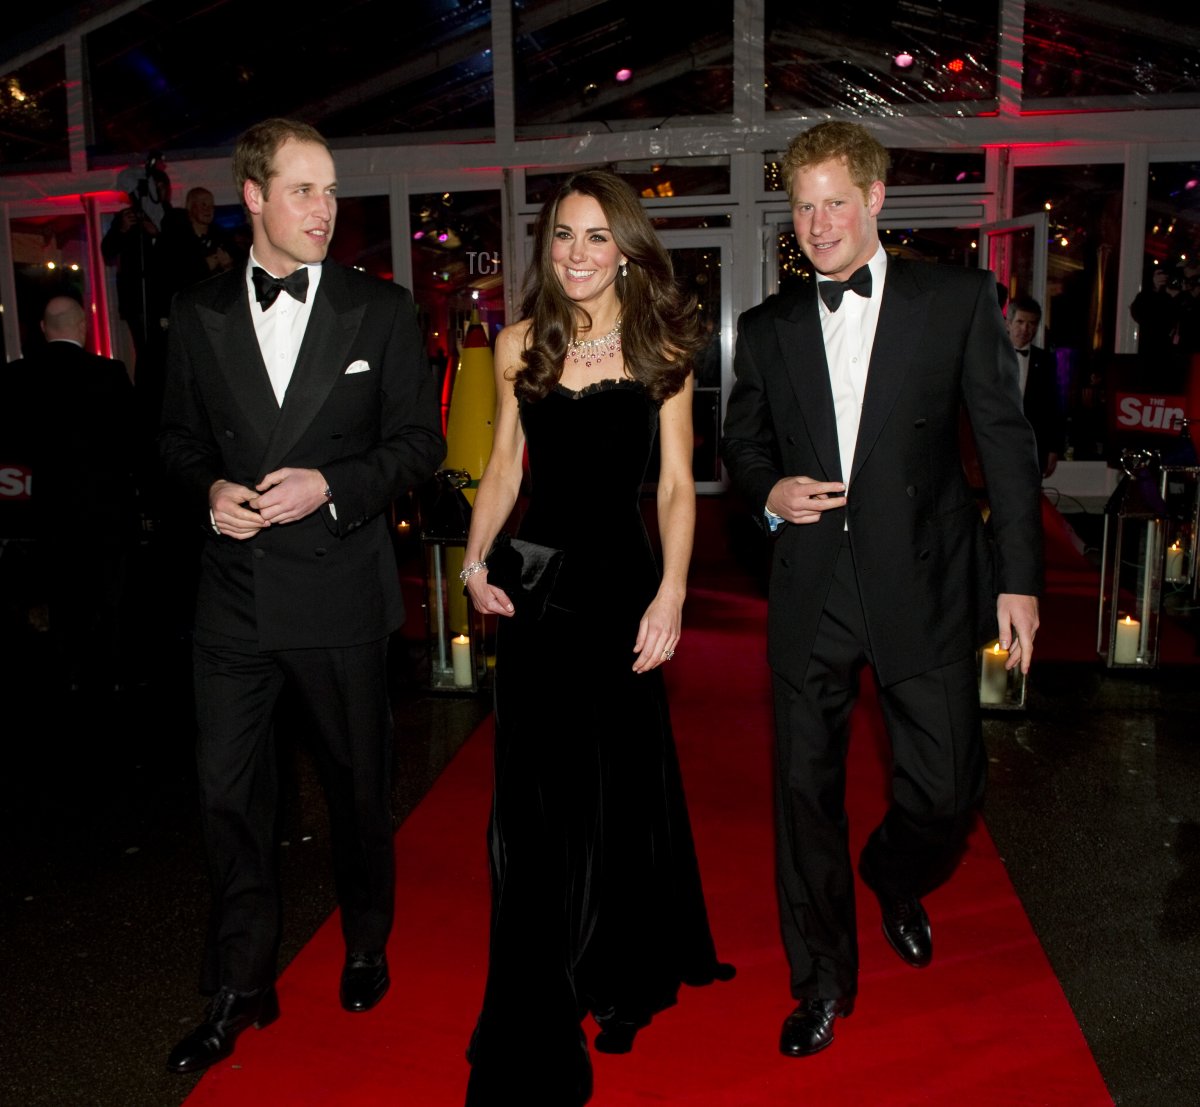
point(16, 482)
point(1145, 413)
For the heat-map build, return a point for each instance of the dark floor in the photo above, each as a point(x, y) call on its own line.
point(1094, 804)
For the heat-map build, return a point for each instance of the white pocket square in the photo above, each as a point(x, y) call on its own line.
point(357, 367)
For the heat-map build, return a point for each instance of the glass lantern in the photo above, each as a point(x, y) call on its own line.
point(1000, 689)
point(1180, 490)
point(1131, 571)
point(457, 660)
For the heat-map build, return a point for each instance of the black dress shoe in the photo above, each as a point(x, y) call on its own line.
point(809, 1028)
point(906, 927)
point(229, 1013)
point(616, 1034)
point(616, 1037)
point(364, 980)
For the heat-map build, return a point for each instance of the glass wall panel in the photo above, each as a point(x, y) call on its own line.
point(620, 60)
point(909, 167)
point(458, 267)
point(1118, 48)
point(1080, 308)
point(363, 235)
point(652, 180)
point(863, 58)
point(33, 116)
point(1167, 308)
point(50, 258)
point(698, 271)
point(186, 74)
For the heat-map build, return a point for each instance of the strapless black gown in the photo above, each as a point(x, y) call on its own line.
point(596, 898)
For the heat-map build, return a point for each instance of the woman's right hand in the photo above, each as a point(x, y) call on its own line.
point(487, 598)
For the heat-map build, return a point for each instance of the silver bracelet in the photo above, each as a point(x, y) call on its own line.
point(469, 571)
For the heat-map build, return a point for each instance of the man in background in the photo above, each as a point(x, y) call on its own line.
point(79, 412)
point(192, 247)
point(1039, 382)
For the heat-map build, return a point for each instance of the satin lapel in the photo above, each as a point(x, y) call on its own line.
point(231, 331)
point(803, 347)
point(903, 323)
point(332, 325)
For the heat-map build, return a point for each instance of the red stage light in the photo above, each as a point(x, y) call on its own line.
point(955, 66)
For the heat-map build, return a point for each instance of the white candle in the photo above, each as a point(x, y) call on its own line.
point(993, 677)
point(1175, 561)
point(1125, 649)
point(460, 656)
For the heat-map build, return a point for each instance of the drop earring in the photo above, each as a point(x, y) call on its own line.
point(624, 269)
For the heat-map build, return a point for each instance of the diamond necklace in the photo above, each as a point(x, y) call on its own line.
point(592, 350)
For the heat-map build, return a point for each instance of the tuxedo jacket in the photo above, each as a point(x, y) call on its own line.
point(928, 573)
point(360, 407)
point(1042, 406)
point(75, 418)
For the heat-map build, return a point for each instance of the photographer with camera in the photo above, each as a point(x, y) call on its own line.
point(129, 245)
point(1156, 310)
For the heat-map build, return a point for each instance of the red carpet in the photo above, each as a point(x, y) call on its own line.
point(986, 1024)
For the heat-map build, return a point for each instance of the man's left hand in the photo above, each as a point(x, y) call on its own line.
point(289, 494)
point(1018, 619)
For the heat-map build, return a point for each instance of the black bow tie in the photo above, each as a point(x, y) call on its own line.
point(833, 291)
point(268, 288)
point(1024, 352)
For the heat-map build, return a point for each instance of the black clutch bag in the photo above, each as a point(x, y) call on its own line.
point(526, 572)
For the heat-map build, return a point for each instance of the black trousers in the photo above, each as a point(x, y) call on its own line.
point(937, 778)
point(345, 692)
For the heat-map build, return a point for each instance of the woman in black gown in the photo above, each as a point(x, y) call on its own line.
point(596, 898)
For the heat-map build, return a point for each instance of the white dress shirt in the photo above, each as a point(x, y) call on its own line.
point(849, 335)
point(1023, 357)
point(280, 329)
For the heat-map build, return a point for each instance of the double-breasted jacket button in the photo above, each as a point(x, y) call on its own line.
point(912, 491)
point(229, 433)
point(320, 551)
point(260, 554)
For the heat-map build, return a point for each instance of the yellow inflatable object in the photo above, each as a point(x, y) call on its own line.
point(472, 407)
point(469, 437)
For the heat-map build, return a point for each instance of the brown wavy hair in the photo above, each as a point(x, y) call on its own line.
point(660, 327)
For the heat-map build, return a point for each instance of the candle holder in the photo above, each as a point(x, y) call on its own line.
point(1180, 489)
point(455, 638)
point(1000, 689)
point(1131, 570)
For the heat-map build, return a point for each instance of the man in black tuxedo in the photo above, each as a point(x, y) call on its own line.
point(1038, 381)
point(842, 431)
point(299, 404)
point(79, 421)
